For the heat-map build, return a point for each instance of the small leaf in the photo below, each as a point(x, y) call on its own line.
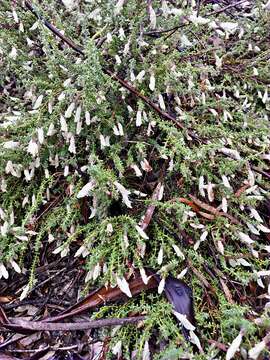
point(24, 292)
point(117, 349)
point(69, 110)
point(184, 321)
point(245, 238)
point(153, 18)
point(3, 271)
point(152, 82)
point(160, 256)
point(145, 278)
point(15, 266)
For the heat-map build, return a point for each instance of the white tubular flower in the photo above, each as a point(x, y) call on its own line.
point(234, 347)
point(124, 192)
point(38, 102)
point(32, 148)
point(123, 286)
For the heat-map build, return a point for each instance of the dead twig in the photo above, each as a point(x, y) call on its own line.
point(218, 345)
point(198, 7)
point(264, 173)
point(242, 189)
point(155, 107)
point(11, 341)
point(226, 8)
point(51, 205)
point(53, 29)
point(51, 348)
point(48, 279)
point(19, 325)
point(226, 291)
point(201, 277)
point(196, 204)
point(156, 33)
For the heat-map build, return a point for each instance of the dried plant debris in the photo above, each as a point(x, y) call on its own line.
point(68, 356)
point(134, 135)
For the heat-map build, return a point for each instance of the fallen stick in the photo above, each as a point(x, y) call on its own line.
point(226, 8)
point(53, 29)
point(134, 91)
point(19, 325)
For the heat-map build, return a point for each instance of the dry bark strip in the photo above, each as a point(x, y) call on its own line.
point(151, 208)
point(201, 277)
point(102, 296)
point(227, 292)
point(213, 210)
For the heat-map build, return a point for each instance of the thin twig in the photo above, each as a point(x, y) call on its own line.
point(51, 205)
point(159, 32)
point(170, 34)
point(201, 277)
point(264, 173)
point(28, 351)
point(227, 291)
point(11, 341)
point(198, 8)
point(51, 27)
point(47, 280)
point(150, 103)
point(218, 345)
point(134, 91)
point(225, 8)
point(213, 210)
point(51, 348)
